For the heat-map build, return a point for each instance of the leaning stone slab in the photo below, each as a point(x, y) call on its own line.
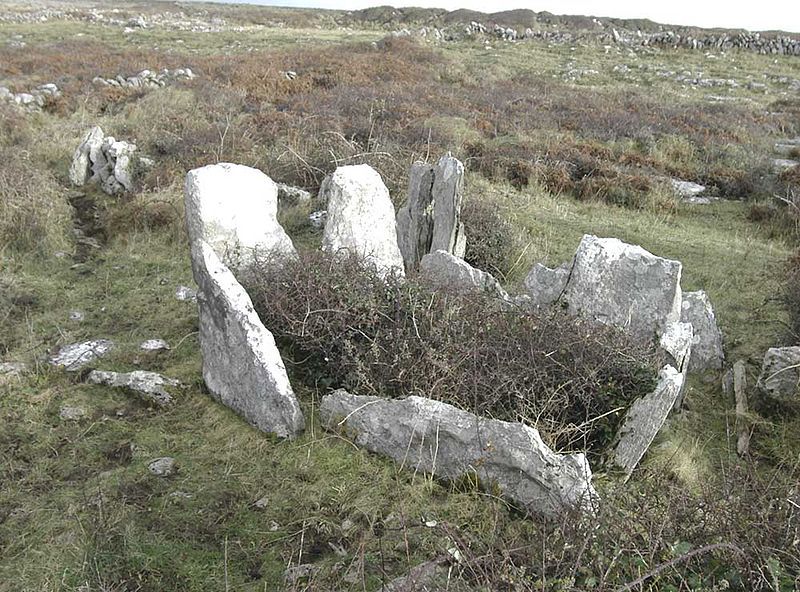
point(361, 218)
point(780, 374)
point(75, 356)
point(234, 209)
point(242, 367)
point(415, 218)
point(707, 351)
point(625, 286)
point(545, 285)
point(448, 272)
point(448, 195)
point(150, 386)
point(434, 437)
point(645, 418)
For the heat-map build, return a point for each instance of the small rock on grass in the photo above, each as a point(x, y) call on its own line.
point(148, 385)
point(75, 356)
point(154, 345)
point(69, 413)
point(162, 467)
point(185, 294)
point(298, 573)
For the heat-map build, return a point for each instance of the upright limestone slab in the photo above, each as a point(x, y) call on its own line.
point(241, 364)
point(707, 351)
point(448, 195)
point(415, 218)
point(434, 437)
point(234, 209)
point(361, 218)
point(624, 285)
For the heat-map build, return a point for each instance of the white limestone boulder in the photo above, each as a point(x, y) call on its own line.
point(450, 273)
point(545, 285)
point(361, 219)
point(624, 285)
point(426, 435)
point(242, 366)
point(780, 375)
point(234, 209)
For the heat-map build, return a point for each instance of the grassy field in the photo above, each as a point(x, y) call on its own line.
point(555, 154)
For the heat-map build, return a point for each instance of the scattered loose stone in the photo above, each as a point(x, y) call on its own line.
point(12, 369)
point(448, 272)
point(434, 437)
point(68, 413)
point(782, 164)
point(242, 366)
point(780, 374)
point(262, 503)
point(425, 576)
point(295, 574)
point(545, 285)
point(233, 208)
point(645, 418)
point(148, 385)
point(75, 356)
point(163, 467)
point(146, 78)
point(34, 100)
point(318, 219)
point(624, 285)
point(76, 316)
point(184, 294)
point(154, 345)
point(361, 218)
point(687, 189)
point(707, 351)
point(292, 195)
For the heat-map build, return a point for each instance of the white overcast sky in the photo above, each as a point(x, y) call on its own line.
point(755, 15)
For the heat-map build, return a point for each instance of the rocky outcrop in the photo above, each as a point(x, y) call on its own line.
point(146, 79)
point(780, 375)
point(233, 208)
point(447, 272)
point(242, 367)
point(545, 285)
point(625, 286)
point(361, 218)
point(448, 195)
point(104, 161)
point(645, 419)
point(150, 386)
point(707, 351)
point(434, 437)
point(75, 356)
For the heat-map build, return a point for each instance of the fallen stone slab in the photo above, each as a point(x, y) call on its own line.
point(75, 356)
point(150, 386)
point(361, 218)
point(645, 418)
point(448, 196)
point(545, 285)
point(234, 208)
point(434, 437)
point(448, 272)
point(624, 285)
point(780, 375)
point(707, 353)
point(242, 366)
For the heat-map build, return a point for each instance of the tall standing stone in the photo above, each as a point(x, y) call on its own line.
point(234, 209)
point(415, 218)
point(448, 188)
point(361, 219)
point(80, 170)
